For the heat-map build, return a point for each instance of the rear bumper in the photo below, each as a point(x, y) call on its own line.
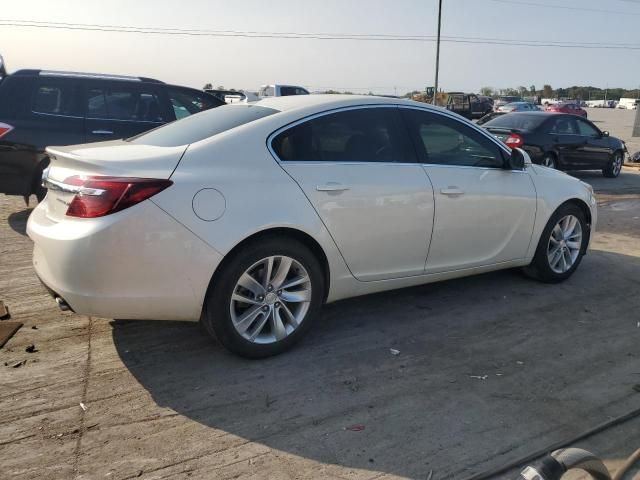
point(136, 264)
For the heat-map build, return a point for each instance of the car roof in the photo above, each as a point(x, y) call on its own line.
point(328, 101)
point(97, 76)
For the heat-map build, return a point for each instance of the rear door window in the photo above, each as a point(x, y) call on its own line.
point(55, 97)
point(358, 135)
point(134, 103)
point(564, 125)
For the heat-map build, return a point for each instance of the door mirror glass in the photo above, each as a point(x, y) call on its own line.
point(516, 160)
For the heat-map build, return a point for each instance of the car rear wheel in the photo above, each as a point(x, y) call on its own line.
point(549, 160)
point(561, 246)
point(265, 298)
point(614, 167)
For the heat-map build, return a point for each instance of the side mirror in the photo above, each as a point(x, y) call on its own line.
point(516, 160)
point(605, 134)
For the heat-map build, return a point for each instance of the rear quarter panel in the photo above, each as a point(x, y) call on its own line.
point(258, 195)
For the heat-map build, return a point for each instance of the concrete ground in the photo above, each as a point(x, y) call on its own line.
point(618, 122)
point(491, 368)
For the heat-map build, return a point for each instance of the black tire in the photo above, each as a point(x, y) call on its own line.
point(539, 268)
point(613, 168)
point(216, 317)
point(550, 160)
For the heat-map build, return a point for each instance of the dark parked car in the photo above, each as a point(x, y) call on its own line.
point(469, 105)
point(41, 108)
point(560, 140)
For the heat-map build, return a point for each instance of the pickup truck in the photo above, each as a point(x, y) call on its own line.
point(469, 105)
point(281, 90)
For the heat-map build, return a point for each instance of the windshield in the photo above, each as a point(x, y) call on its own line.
point(517, 121)
point(202, 125)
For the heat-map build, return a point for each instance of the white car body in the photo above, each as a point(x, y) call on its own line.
point(396, 225)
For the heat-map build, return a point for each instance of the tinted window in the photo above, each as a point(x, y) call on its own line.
point(286, 91)
point(360, 135)
point(123, 102)
point(444, 141)
point(519, 121)
point(563, 125)
point(586, 129)
point(203, 125)
point(187, 102)
point(57, 98)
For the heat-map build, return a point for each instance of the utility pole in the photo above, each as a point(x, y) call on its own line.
point(435, 93)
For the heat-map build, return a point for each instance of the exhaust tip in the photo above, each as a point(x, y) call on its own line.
point(64, 306)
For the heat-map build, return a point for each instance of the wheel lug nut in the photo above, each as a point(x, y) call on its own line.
point(270, 287)
point(277, 304)
point(261, 297)
point(279, 292)
point(265, 309)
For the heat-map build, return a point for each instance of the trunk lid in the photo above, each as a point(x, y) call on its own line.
point(502, 133)
point(116, 158)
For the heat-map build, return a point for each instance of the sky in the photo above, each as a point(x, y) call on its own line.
point(379, 66)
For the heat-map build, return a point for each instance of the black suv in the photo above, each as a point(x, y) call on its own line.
point(40, 108)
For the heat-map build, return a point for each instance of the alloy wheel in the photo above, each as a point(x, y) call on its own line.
point(617, 164)
point(270, 299)
point(565, 243)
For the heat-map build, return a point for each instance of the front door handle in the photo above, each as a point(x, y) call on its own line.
point(102, 132)
point(451, 191)
point(332, 187)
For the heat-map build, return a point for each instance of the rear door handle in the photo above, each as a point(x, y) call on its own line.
point(332, 187)
point(451, 191)
point(102, 132)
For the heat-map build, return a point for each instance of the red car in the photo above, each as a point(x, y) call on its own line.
point(572, 108)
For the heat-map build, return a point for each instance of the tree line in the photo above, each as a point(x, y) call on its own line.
point(547, 91)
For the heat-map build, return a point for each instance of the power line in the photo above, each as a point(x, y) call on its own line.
point(315, 36)
point(563, 7)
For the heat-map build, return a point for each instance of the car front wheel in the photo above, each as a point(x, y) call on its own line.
point(612, 170)
point(265, 298)
point(561, 246)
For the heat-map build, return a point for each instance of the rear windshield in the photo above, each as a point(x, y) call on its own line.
point(518, 121)
point(202, 125)
point(510, 99)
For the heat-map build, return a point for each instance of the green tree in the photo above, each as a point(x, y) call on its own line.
point(487, 91)
point(208, 86)
point(547, 91)
point(532, 89)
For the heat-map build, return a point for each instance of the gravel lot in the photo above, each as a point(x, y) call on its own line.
point(490, 369)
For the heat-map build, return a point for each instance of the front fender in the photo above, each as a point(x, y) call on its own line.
point(555, 188)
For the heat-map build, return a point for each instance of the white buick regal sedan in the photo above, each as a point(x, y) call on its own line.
point(250, 216)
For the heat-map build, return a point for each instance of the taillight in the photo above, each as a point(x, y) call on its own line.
point(100, 196)
point(514, 141)
point(4, 129)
